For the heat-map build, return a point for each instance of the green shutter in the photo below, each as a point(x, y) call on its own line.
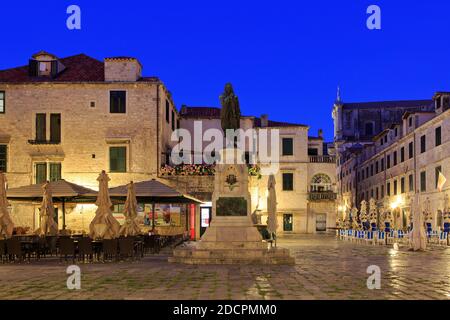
point(41, 127)
point(55, 171)
point(118, 159)
point(41, 173)
point(55, 128)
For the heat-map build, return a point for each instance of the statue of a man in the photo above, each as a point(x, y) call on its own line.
point(231, 113)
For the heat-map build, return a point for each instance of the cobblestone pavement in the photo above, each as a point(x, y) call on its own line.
point(326, 268)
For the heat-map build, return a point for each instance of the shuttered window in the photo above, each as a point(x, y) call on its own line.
point(55, 171)
point(117, 159)
point(41, 172)
point(41, 127)
point(3, 157)
point(117, 102)
point(55, 128)
point(288, 146)
point(288, 181)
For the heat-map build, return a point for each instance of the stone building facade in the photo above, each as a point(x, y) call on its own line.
point(71, 118)
point(400, 159)
point(305, 182)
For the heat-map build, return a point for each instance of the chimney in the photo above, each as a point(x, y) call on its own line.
point(264, 121)
point(321, 133)
point(122, 69)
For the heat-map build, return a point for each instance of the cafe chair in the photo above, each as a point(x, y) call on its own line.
point(14, 249)
point(110, 249)
point(66, 248)
point(85, 249)
point(126, 247)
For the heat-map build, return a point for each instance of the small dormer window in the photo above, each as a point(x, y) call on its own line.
point(438, 103)
point(44, 64)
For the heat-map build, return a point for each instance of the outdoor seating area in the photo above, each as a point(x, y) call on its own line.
point(80, 248)
point(390, 237)
point(371, 227)
point(106, 240)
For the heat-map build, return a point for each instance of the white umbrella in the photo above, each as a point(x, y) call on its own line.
point(272, 223)
point(130, 227)
point(104, 225)
point(6, 224)
point(418, 238)
point(47, 213)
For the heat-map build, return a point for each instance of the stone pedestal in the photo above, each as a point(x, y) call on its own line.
point(231, 237)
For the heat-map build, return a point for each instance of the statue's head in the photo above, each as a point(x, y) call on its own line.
point(228, 88)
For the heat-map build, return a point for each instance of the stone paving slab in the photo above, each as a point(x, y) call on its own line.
point(326, 268)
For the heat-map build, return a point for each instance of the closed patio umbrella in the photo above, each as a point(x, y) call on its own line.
point(6, 224)
point(130, 227)
point(104, 225)
point(272, 223)
point(418, 238)
point(47, 213)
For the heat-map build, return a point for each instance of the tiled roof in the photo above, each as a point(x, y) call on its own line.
point(389, 104)
point(214, 113)
point(78, 68)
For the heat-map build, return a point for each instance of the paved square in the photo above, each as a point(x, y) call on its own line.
point(326, 268)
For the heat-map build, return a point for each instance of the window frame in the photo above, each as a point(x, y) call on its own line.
point(126, 157)
point(285, 174)
point(423, 181)
point(438, 142)
point(423, 144)
point(283, 145)
point(4, 145)
point(111, 92)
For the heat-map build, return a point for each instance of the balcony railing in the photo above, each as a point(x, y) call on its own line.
point(322, 196)
point(322, 159)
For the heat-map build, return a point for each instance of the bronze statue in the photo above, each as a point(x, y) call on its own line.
point(231, 113)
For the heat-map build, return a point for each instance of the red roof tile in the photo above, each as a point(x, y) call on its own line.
point(214, 113)
point(78, 68)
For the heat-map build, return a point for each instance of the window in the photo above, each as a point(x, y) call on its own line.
point(376, 194)
point(173, 120)
point(313, 152)
point(410, 121)
point(388, 164)
point(367, 172)
point(2, 101)
point(423, 181)
point(369, 129)
point(118, 159)
point(376, 167)
point(437, 134)
point(322, 183)
point(55, 171)
point(411, 183)
point(167, 111)
point(288, 146)
point(41, 127)
point(3, 158)
point(396, 132)
point(438, 170)
point(402, 185)
point(388, 188)
point(371, 170)
point(382, 191)
point(395, 158)
point(395, 187)
point(402, 154)
point(55, 128)
point(40, 172)
point(423, 144)
point(288, 181)
point(382, 164)
point(117, 102)
point(411, 150)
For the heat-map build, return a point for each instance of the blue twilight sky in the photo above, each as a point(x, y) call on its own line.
point(285, 58)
